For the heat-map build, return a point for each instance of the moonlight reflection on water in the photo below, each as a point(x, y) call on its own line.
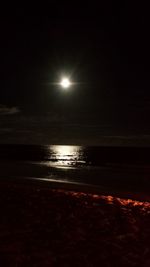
point(65, 156)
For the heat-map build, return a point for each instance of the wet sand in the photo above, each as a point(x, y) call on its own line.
point(52, 227)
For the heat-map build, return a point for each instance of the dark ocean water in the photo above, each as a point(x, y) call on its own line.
point(119, 168)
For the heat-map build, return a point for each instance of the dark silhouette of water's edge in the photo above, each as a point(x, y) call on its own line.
point(41, 183)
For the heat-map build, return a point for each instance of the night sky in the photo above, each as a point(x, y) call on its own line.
point(105, 50)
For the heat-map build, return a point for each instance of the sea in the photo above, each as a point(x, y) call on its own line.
point(109, 168)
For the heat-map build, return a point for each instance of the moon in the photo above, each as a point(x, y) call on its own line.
point(65, 83)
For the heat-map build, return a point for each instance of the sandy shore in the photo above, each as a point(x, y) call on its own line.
point(51, 227)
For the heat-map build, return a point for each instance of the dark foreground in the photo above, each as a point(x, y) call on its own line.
point(44, 227)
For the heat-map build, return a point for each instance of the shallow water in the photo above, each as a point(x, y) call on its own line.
point(122, 168)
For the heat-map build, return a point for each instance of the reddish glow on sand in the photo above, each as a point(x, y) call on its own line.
point(110, 199)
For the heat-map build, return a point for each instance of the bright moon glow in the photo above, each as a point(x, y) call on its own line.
point(65, 83)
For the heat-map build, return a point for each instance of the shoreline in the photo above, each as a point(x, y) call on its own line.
point(46, 183)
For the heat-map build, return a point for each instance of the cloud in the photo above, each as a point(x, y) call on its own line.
point(4, 110)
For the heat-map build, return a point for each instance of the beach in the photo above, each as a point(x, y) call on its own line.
point(42, 226)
